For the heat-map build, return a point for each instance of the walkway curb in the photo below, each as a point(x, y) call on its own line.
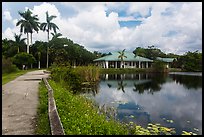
point(55, 123)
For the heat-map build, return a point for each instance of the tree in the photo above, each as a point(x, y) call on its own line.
point(19, 41)
point(48, 26)
point(56, 35)
point(122, 56)
point(35, 25)
point(23, 59)
point(25, 24)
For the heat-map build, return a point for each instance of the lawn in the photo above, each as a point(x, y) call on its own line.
point(7, 77)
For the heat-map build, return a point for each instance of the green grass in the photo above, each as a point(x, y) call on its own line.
point(79, 116)
point(7, 77)
point(124, 70)
point(43, 127)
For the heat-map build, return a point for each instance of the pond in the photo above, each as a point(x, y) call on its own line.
point(172, 100)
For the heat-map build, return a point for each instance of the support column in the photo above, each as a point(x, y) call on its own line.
point(116, 64)
point(106, 64)
point(139, 64)
point(147, 65)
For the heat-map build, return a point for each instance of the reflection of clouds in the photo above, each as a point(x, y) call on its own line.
point(172, 100)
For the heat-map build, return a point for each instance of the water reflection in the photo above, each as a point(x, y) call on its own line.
point(171, 100)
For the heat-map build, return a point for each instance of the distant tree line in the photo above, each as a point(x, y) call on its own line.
point(190, 61)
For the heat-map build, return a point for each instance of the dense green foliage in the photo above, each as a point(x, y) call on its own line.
point(191, 61)
point(42, 123)
point(151, 52)
point(8, 66)
point(67, 77)
point(88, 73)
point(23, 58)
point(158, 66)
point(74, 78)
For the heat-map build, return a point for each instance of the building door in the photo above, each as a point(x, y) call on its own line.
point(118, 64)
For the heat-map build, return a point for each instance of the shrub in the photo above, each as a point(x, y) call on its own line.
point(23, 59)
point(66, 76)
point(158, 66)
point(8, 66)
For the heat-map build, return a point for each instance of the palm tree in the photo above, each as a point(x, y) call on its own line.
point(28, 24)
point(47, 26)
point(19, 41)
point(56, 35)
point(25, 24)
point(35, 25)
point(122, 56)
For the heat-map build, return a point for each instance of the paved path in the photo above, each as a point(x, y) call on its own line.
point(19, 104)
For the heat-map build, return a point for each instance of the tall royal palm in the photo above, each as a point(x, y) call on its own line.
point(35, 25)
point(48, 26)
point(122, 56)
point(19, 41)
point(25, 25)
point(28, 24)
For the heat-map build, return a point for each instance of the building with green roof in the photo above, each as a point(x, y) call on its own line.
point(130, 61)
point(168, 61)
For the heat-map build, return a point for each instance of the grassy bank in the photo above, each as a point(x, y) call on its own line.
point(123, 70)
point(79, 116)
point(42, 123)
point(133, 70)
point(7, 77)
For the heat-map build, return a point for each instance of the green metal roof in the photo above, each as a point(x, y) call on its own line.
point(165, 59)
point(130, 57)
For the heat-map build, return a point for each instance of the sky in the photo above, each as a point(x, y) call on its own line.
point(173, 27)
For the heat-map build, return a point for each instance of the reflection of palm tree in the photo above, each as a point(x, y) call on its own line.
point(109, 85)
point(121, 86)
point(138, 88)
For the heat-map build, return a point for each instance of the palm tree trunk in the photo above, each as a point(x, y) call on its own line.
point(47, 46)
point(39, 55)
point(27, 44)
point(39, 64)
point(18, 50)
point(31, 39)
point(31, 45)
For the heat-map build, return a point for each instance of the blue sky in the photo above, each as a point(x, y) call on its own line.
point(174, 27)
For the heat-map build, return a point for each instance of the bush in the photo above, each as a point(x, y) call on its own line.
point(8, 66)
point(66, 76)
point(158, 66)
point(88, 73)
point(23, 59)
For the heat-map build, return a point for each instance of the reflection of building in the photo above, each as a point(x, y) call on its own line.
point(168, 61)
point(130, 61)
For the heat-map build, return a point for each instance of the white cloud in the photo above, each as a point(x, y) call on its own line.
point(94, 29)
point(15, 21)
point(9, 33)
point(7, 15)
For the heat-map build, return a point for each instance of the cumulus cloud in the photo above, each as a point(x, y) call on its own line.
point(96, 25)
point(7, 15)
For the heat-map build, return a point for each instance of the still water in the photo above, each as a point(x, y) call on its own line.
point(173, 100)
